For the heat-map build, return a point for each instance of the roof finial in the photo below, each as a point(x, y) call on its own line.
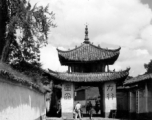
point(86, 35)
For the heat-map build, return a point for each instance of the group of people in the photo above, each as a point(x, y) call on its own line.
point(78, 110)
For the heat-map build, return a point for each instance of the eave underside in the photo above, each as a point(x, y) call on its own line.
point(89, 78)
point(108, 61)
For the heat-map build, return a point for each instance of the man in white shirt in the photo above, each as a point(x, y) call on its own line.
point(77, 110)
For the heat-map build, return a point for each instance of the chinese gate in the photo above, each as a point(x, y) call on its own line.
point(108, 98)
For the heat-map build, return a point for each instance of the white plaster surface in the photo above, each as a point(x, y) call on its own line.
point(67, 100)
point(110, 96)
point(20, 103)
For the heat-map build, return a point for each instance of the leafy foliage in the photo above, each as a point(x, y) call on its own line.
point(148, 67)
point(27, 31)
point(23, 31)
point(33, 71)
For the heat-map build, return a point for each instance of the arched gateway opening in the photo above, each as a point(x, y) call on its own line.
point(88, 65)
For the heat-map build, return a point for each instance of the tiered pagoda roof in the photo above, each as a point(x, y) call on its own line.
point(87, 53)
point(90, 77)
point(138, 79)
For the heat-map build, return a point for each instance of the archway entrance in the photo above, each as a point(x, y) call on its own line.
point(107, 92)
point(87, 67)
point(86, 95)
point(55, 105)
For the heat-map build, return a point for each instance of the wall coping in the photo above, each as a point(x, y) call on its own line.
point(18, 80)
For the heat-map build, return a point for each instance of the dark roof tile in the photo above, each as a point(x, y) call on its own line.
point(87, 53)
point(138, 79)
point(90, 77)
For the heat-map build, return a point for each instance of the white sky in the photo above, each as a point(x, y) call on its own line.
point(112, 23)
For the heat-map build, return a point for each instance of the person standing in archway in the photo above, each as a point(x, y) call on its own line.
point(59, 109)
point(97, 105)
point(90, 108)
point(77, 110)
point(87, 107)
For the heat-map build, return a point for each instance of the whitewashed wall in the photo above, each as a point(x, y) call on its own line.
point(18, 102)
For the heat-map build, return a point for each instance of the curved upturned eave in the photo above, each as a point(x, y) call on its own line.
point(76, 55)
point(109, 61)
point(138, 79)
point(110, 50)
point(90, 77)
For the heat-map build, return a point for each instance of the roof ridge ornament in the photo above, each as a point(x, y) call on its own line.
point(86, 39)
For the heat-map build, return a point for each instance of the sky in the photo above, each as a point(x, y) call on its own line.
point(111, 23)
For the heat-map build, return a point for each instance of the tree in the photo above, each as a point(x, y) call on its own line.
point(148, 67)
point(3, 23)
point(23, 31)
point(32, 24)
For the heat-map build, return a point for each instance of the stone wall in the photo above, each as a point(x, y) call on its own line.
point(132, 102)
point(149, 85)
point(122, 100)
point(18, 102)
point(142, 101)
point(122, 103)
point(140, 105)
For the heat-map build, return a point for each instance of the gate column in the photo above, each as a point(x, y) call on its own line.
point(67, 100)
point(110, 102)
